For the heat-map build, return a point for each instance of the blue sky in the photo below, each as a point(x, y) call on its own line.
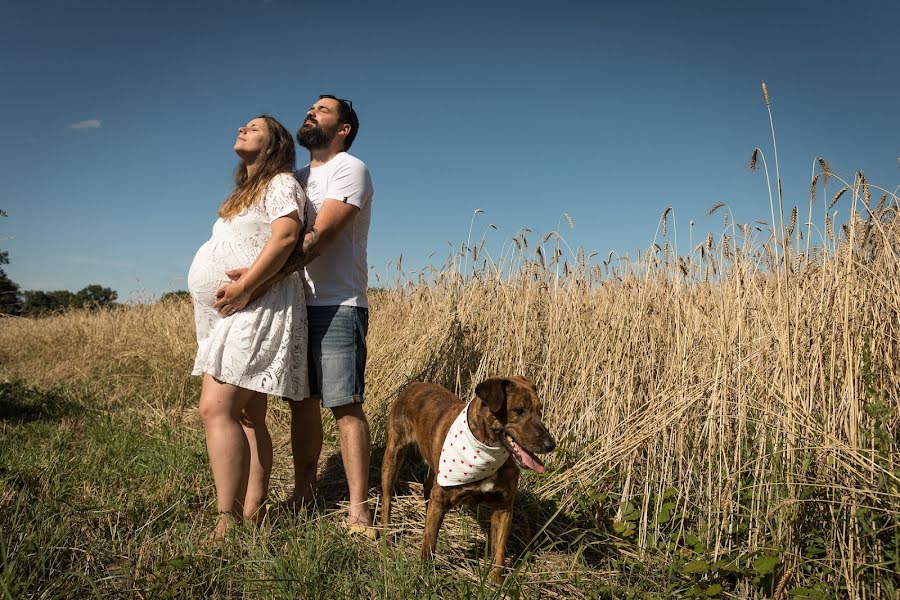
point(121, 118)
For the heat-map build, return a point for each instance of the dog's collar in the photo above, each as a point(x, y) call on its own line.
point(464, 458)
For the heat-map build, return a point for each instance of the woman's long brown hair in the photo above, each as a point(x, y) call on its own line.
point(248, 189)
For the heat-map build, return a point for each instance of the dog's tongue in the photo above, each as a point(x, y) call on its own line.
point(529, 460)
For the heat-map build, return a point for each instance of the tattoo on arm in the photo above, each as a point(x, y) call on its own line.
point(304, 252)
point(311, 246)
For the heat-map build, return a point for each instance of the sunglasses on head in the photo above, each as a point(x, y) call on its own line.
point(344, 101)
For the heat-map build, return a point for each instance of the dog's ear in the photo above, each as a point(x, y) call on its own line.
point(493, 393)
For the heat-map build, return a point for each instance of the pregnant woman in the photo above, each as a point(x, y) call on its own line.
point(252, 348)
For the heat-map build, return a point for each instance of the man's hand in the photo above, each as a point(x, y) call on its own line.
point(232, 297)
point(236, 274)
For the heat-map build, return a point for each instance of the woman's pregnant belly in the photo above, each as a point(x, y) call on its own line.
point(207, 272)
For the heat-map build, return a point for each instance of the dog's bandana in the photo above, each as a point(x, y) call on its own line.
point(464, 459)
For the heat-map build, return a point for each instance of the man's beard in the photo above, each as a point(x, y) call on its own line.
point(315, 137)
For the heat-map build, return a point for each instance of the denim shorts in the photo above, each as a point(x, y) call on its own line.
point(337, 353)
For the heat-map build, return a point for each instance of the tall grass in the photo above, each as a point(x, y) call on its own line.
point(729, 416)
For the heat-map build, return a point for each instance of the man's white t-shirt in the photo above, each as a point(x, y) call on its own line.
point(340, 275)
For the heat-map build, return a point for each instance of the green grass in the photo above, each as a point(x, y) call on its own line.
point(107, 503)
point(103, 498)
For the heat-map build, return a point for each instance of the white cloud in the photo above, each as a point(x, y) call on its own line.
point(88, 124)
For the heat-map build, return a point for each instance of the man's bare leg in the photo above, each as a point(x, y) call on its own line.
point(306, 446)
point(356, 451)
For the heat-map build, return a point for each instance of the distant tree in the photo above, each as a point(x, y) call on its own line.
point(176, 296)
point(39, 302)
point(10, 298)
point(35, 302)
point(94, 296)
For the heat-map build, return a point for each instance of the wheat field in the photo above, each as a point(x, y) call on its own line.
point(729, 417)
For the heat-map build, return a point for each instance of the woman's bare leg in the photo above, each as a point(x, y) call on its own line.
point(229, 453)
point(253, 420)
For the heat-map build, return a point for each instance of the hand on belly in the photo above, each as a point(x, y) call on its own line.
point(207, 274)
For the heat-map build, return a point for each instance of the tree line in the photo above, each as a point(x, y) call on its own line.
point(35, 302)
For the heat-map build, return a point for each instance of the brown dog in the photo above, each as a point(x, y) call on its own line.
point(506, 412)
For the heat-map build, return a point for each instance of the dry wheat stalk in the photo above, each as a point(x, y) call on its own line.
point(654, 385)
point(837, 197)
point(826, 170)
point(880, 207)
point(782, 583)
point(867, 198)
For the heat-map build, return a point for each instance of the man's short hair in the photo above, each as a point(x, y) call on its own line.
point(347, 115)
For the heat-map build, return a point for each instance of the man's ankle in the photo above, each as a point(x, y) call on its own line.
point(360, 511)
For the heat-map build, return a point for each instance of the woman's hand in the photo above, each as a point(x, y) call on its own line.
point(232, 297)
point(236, 274)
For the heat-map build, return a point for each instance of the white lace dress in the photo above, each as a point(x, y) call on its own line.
point(263, 346)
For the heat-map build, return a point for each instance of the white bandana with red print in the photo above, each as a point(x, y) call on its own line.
point(464, 459)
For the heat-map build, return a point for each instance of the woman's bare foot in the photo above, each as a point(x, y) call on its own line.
point(225, 523)
point(256, 517)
